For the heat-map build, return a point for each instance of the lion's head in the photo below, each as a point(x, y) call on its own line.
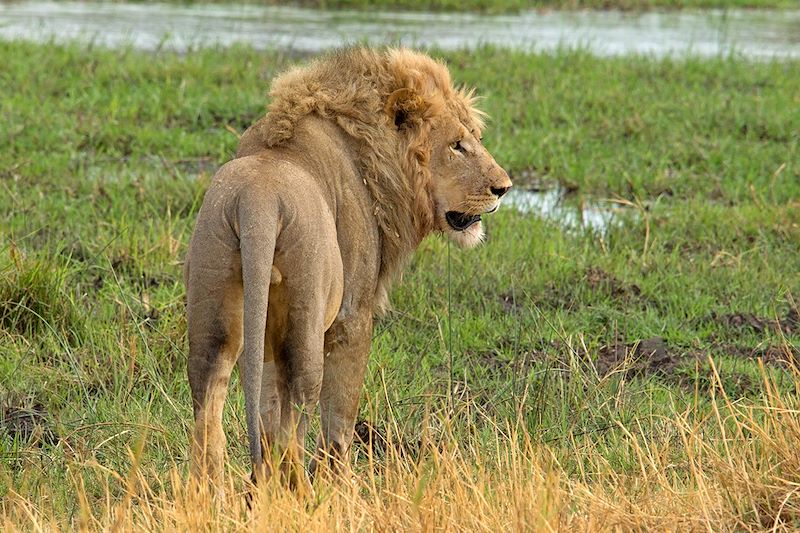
point(466, 182)
point(457, 179)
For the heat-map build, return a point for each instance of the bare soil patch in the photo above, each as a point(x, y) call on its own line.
point(600, 280)
point(642, 357)
point(27, 420)
point(787, 324)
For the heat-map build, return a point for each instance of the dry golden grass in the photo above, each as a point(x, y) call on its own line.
point(735, 469)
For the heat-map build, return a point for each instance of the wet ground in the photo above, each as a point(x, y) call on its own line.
point(751, 33)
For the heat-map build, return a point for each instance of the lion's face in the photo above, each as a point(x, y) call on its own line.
point(466, 181)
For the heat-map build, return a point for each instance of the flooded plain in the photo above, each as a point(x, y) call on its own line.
point(761, 34)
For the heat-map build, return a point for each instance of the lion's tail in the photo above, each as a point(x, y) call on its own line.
point(258, 228)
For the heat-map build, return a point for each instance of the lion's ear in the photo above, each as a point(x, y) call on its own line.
point(405, 107)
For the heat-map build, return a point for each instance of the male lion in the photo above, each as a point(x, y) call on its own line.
point(361, 155)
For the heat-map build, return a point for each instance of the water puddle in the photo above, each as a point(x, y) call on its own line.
point(751, 33)
point(555, 204)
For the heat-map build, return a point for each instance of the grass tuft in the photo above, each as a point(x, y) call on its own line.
point(34, 298)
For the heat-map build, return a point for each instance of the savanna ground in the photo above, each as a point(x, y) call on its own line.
point(553, 379)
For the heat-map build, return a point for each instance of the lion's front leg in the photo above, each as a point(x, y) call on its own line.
point(348, 345)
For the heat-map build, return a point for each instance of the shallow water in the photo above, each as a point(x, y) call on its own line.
point(554, 204)
point(751, 33)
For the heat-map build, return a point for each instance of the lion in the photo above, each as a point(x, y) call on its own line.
point(361, 155)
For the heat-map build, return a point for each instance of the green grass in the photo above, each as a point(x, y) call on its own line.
point(516, 5)
point(105, 156)
point(495, 6)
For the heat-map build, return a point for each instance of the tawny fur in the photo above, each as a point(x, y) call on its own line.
point(361, 155)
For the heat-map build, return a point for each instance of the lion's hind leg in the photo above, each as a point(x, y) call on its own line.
point(215, 340)
point(298, 365)
point(345, 365)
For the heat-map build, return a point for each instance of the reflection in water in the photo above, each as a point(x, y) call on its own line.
point(752, 33)
point(553, 204)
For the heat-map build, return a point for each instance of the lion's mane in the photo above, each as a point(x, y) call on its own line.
point(386, 101)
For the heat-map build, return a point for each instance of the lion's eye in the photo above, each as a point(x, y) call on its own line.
point(457, 146)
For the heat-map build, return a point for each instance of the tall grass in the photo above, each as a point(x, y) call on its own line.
point(733, 470)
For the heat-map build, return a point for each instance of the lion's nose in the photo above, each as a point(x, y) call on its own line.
point(499, 191)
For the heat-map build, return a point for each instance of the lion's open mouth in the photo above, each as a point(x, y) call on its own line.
point(460, 221)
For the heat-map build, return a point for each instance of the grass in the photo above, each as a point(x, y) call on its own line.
point(518, 5)
point(495, 6)
point(555, 418)
point(511, 484)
